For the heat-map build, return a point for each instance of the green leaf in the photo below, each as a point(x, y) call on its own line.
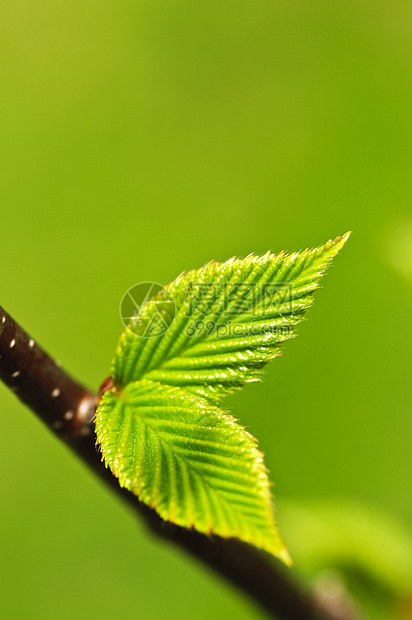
point(189, 461)
point(225, 321)
point(200, 338)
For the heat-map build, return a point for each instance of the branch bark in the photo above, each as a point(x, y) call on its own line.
point(68, 408)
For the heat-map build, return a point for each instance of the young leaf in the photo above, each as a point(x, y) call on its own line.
point(201, 337)
point(188, 460)
point(229, 320)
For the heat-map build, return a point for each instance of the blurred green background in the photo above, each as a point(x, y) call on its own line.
point(139, 139)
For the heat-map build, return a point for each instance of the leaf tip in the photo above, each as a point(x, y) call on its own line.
point(333, 247)
point(285, 557)
point(339, 242)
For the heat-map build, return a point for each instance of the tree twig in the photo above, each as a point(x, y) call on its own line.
point(67, 408)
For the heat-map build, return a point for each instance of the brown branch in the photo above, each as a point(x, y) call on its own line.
point(67, 408)
point(61, 402)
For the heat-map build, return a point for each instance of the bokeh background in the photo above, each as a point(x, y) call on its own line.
point(139, 139)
